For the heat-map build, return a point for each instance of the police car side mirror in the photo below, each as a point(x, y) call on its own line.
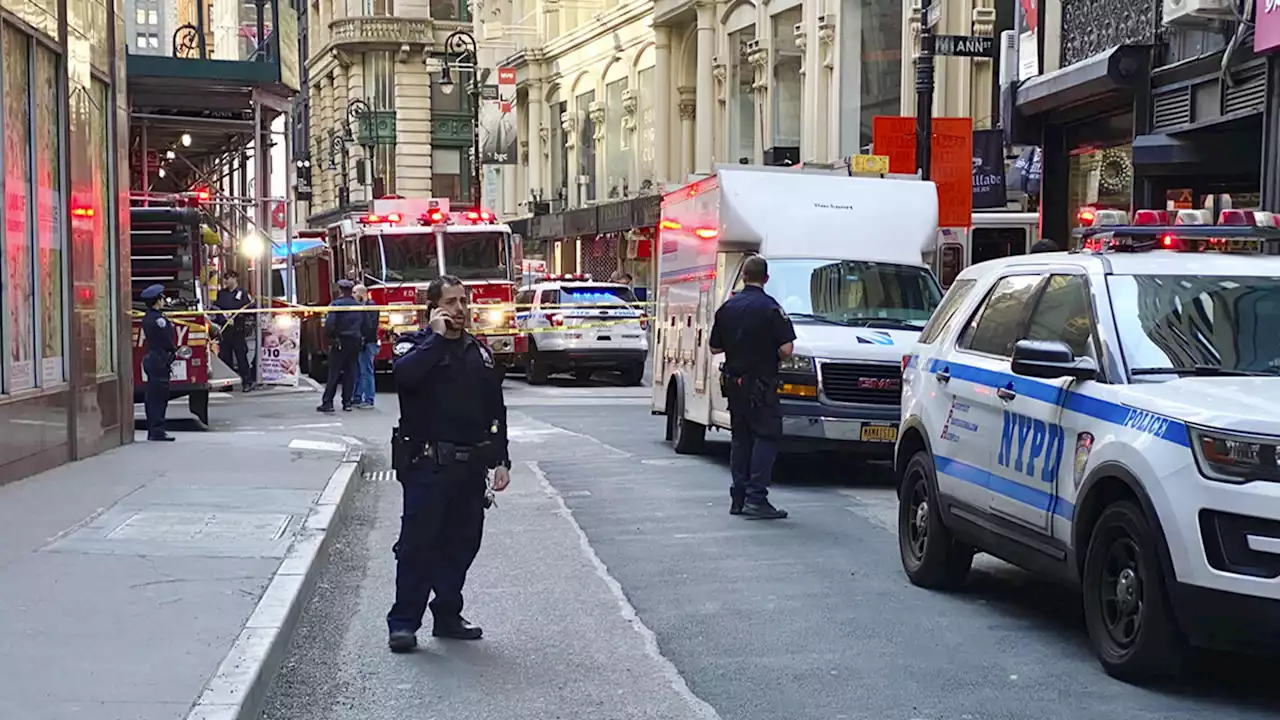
point(1051, 360)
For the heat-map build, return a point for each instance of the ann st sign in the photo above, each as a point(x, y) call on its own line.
point(975, 46)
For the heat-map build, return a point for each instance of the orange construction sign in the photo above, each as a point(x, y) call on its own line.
point(952, 160)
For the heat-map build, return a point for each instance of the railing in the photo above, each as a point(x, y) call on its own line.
point(382, 30)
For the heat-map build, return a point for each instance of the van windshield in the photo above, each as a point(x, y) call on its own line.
point(854, 293)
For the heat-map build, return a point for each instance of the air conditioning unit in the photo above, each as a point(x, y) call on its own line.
point(1197, 12)
point(1008, 57)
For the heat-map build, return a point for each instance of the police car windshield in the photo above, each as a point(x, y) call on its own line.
point(412, 257)
point(597, 295)
point(854, 293)
point(1197, 324)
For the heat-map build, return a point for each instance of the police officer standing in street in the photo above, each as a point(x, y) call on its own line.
point(233, 343)
point(452, 431)
point(754, 333)
point(345, 330)
point(162, 348)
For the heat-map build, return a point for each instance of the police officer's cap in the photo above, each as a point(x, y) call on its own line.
point(152, 292)
point(346, 284)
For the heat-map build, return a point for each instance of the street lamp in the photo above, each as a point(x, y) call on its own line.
point(461, 53)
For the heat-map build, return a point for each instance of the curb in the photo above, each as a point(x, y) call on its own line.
point(239, 686)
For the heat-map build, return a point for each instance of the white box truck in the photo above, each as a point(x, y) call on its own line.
point(845, 262)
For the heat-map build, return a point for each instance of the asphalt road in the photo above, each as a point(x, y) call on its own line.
point(614, 585)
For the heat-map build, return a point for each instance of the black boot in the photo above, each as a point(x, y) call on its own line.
point(763, 511)
point(735, 504)
point(402, 641)
point(457, 629)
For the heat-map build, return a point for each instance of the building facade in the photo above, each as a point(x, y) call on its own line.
point(373, 55)
point(65, 373)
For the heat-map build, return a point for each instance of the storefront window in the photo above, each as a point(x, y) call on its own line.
point(617, 151)
point(18, 302)
point(742, 99)
point(644, 127)
point(1100, 177)
point(49, 225)
point(446, 174)
point(104, 261)
point(787, 89)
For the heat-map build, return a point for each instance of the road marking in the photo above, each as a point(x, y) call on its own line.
point(523, 424)
point(380, 476)
point(700, 707)
point(300, 444)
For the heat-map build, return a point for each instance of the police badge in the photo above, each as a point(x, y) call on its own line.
point(160, 322)
point(401, 348)
point(486, 355)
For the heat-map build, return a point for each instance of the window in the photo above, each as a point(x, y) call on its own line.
point(378, 7)
point(598, 296)
point(153, 41)
point(941, 318)
point(742, 98)
point(645, 131)
point(153, 17)
point(858, 294)
point(446, 173)
point(617, 151)
point(102, 157)
point(587, 145)
point(448, 10)
point(19, 297)
point(878, 61)
point(380, 86)
point(140, 42)
point(524, 299)
point(140, 17)
point(549, 299)
point(994, 328)
point(787, 89)
point(450, 102)
point(1063, 314)
point(49, 214)
point(559, 152)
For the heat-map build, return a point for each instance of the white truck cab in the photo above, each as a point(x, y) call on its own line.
point(1108, 417)
point(845, 262)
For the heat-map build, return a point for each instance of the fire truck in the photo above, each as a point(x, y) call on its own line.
point(168, 247)
point(396, 249)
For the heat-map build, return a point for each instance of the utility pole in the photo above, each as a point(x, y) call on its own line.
point(924, 93)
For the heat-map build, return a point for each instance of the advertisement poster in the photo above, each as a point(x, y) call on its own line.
point(988, 169)
point(1028, 27)
point(281, 338)
point(498, 120)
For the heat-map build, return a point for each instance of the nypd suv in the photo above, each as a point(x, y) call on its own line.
point(1109, 416)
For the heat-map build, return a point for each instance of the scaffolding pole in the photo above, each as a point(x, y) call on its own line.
point(262, 188)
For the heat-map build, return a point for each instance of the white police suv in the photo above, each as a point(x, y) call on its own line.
point(1111, 417)
point(579, 326)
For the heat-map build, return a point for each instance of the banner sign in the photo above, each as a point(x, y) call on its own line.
point(281, 338)
point(988, 169)
point(1266, 27)
point(498, 143)
point(951, 158)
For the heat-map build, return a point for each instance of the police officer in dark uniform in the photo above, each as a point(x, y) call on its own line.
point(233, 344)
point(452, 431)
point(345, 330)
point(162, 348)
point(1044, 245)
point(754, 333)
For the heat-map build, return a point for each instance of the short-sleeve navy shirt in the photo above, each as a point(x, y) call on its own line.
point(749, 328)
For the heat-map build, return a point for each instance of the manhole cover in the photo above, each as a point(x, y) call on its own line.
point(668, 462)
point(202, 527)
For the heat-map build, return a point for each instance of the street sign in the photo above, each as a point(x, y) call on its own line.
point(974, 46)
point(934, 14)
point(869, 164)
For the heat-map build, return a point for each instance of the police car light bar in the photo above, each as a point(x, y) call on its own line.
point(570, 276)
point(374, 219)
point(1235, 239)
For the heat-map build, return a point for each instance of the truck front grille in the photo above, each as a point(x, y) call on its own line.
point(866, 383)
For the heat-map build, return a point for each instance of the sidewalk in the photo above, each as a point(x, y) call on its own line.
point(137, 582)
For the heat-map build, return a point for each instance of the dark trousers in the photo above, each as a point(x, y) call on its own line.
point(440, 532)
point(754, 442)
point(344, 365)
point(233, 349)
point(156, 394)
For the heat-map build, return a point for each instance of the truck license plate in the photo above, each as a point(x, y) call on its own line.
point(879, 433)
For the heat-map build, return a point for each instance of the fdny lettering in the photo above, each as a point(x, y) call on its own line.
point(140, 338)
point(1146, 422)
point(1026, 440)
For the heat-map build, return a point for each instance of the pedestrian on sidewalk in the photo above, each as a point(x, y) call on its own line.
point(754, 333)
point(157, 363)
point(345, 330)
point(233, 343)
point(452, 431)
point(365, 387)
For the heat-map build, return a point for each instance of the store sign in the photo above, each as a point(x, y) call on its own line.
point(988, 169)
point(1266, 29)
point(614, 217)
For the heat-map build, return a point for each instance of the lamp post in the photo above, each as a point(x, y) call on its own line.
point(338, 151)
point(461, 53)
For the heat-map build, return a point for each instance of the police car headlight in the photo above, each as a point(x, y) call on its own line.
point(1228, 457)
point(183, 352)
point(797, 363)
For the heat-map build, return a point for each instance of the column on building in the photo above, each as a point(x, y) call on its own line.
point(353, 88)
point(326, 124)
point(812, 145)
point(981, 91)
point(688, 129)
point(537, 139)
point(827, 57)
point(319, 147)
point(413, 129)
point(662, 104)
point(705, 95)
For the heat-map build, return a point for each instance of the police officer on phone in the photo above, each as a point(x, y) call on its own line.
point(754, 333)
point(452, 432)
point(157, 363)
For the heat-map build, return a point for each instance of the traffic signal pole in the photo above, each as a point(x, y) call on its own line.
point(924, 94)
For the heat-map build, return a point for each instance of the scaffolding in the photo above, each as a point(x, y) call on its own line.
point(203, 128)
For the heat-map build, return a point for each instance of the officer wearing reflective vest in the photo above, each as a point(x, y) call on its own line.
point(754, 333)
point(157, 363)
point(452, 432)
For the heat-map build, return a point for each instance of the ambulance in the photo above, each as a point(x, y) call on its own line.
point(846, 262)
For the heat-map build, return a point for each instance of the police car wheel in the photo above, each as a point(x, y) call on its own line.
point(1125, 605)
point(931, 557)
point(536, 371)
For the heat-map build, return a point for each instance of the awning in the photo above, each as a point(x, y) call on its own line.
point(1119, 69)
point(1197, 153)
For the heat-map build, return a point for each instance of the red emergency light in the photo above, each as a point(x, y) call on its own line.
point(1151, 217)
point(84, 212)
point(434, 216)
point(706, 233)
point(669, 225)
point(1086, 216)
point(202, 195)
point(375, 219)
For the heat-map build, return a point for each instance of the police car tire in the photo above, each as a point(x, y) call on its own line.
point(536, 372)
point(945, 562)
point(633, 374)
point(1158, 649)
